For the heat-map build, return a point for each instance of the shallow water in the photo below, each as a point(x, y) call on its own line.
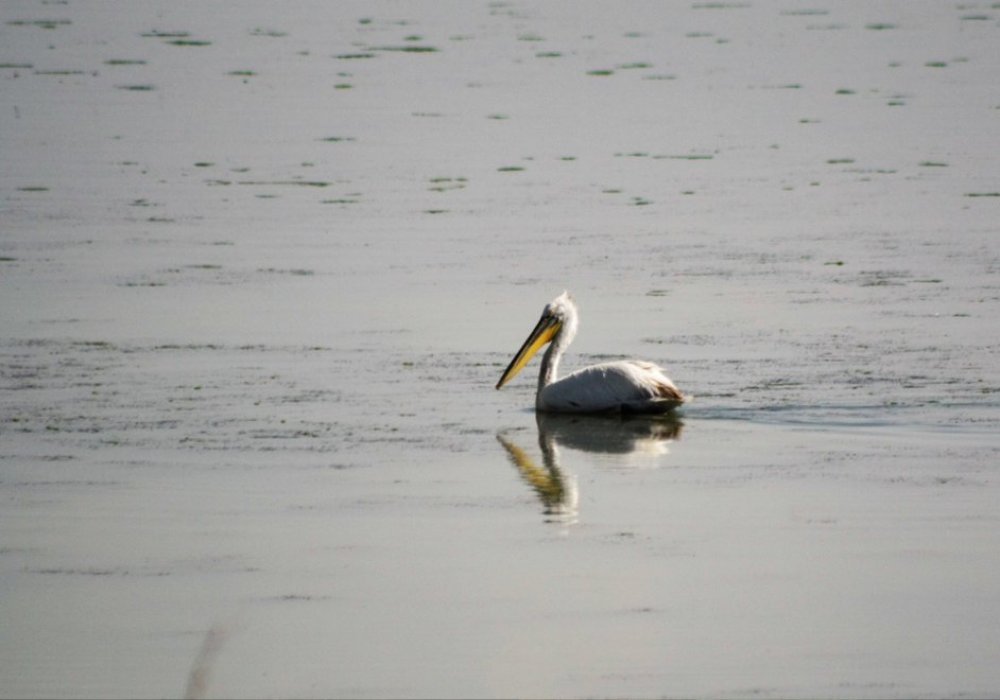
point(260, 273)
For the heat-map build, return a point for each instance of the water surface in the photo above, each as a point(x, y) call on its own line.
point(261, 271)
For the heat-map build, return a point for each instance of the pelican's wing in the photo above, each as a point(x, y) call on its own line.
point(613, 386)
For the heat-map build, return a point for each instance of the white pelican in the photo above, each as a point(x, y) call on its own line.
point(629, 386)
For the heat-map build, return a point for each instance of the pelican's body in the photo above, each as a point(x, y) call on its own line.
point(626, 385)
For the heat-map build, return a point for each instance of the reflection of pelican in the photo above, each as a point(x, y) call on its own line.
point(629, 386)
point(557, 491)
point(625, 435)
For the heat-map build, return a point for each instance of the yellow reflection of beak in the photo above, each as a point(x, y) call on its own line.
point(548, 483)
point(544, 332)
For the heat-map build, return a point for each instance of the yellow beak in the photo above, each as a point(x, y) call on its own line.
point(544, 332)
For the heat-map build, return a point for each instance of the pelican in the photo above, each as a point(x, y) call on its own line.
point(628, 386)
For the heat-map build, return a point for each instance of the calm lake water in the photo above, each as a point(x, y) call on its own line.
point(260, 270)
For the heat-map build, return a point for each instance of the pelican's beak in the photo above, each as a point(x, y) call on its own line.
point(546, 329)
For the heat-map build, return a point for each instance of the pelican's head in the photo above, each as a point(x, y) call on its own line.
point(558, 321)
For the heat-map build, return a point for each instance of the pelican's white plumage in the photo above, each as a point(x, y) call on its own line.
point(626, 385)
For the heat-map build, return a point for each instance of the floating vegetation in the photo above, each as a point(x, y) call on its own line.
point(342, 86)
point(242, 73)
point(267, 32)
point(137, 88)
point(497, 117)
point(510, 169)
point(93, 571)
point(40, 23)
point(296, 272)
point(60, 72)
point(282, 183)
point(634, 66)
point(640, 201)
point(932, 164)
point(880, 26)
point(530, 37)
point(343, 200)
point(408, 48)
point(601, 72)
point(124, 62)
point(435, 211)
point(936, 64)
point(157, 34)
point(839, 161)
point(444, 184)
point(982, 194)
point(17, 66)
point(337, 139)
point(189, 42)
point(33, 188)
point(845, 91)
point(353, 56)
point(548, 54)
point(719, 5)
point(883, 278)
point(660, 76)
point(295, 597)
point(5, 258)
point(204, 164)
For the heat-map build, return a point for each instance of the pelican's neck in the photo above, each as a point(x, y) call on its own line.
point(567, 315)
point(548, 372)
point(550, 364)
